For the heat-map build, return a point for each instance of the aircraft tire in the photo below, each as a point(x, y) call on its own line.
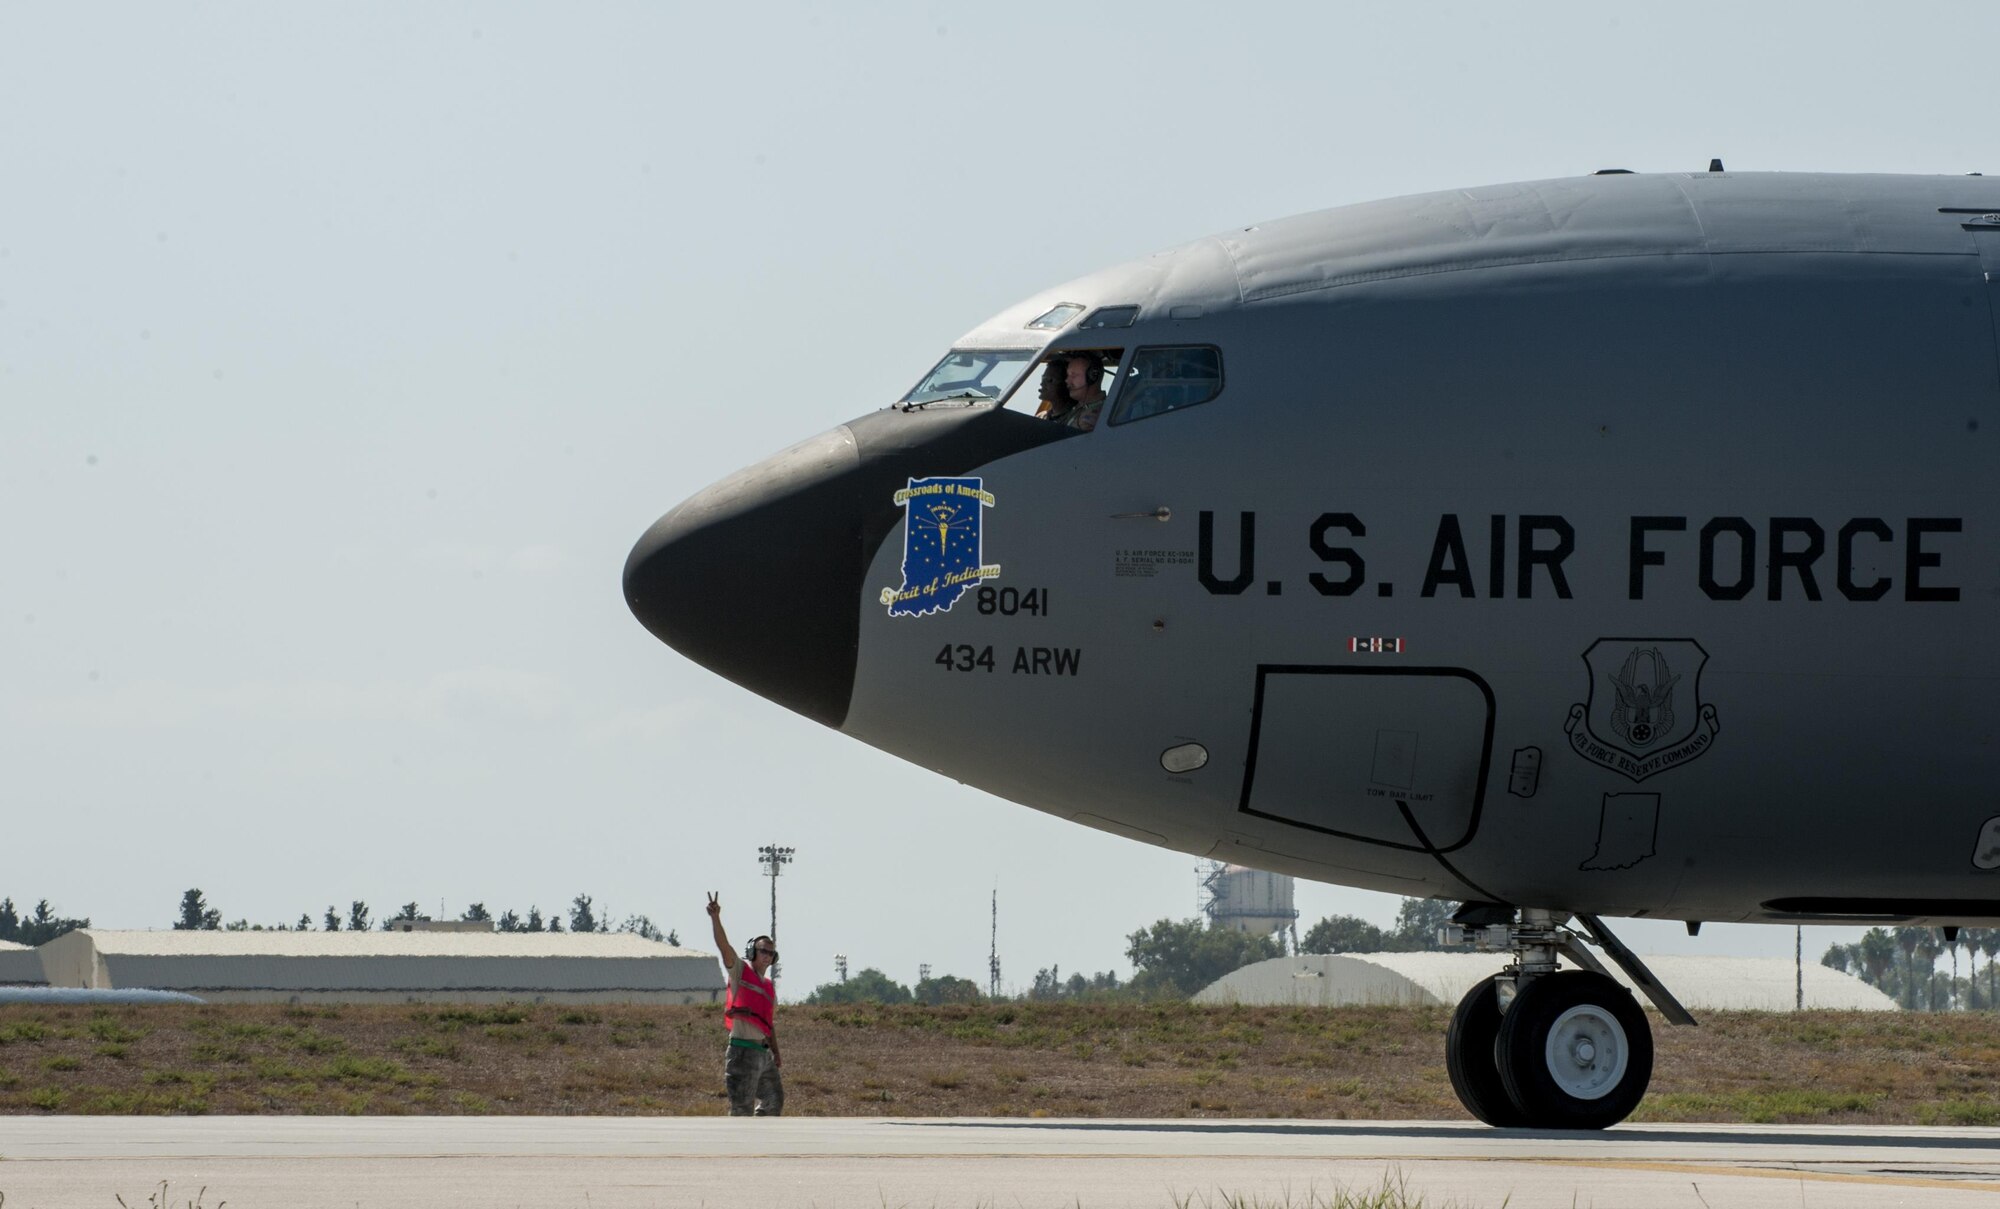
point(1575, 1051)
point(1471, 1058)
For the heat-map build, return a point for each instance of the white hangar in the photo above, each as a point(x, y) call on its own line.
point(1411, 979)
point(20, 965)
point(387, 967)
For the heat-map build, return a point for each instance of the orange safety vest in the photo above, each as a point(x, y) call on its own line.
point(754, 998)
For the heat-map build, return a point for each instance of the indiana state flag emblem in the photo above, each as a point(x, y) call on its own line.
point(942, 545)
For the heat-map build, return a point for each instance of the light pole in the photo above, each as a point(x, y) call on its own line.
point(774, 859)
point(1799, 966)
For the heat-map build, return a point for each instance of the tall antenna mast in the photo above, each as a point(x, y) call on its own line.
point(993, 950)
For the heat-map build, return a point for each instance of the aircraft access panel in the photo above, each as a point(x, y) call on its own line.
point(1363, 752)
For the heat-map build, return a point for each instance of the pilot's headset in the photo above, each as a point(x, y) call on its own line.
point(1096, 363)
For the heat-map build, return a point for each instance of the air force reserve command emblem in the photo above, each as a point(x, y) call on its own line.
point(1645, 714)
point(942, 545)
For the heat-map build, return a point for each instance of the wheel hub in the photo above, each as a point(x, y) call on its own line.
point(1587, 1052)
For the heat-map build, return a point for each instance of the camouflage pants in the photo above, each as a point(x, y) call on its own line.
point(753, 1083)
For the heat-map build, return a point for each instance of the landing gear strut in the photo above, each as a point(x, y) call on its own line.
point(1547, 1048)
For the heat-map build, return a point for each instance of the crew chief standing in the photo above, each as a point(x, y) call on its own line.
point(750, 1068)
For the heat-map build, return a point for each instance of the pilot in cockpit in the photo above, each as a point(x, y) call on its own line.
point(1084, 379)
point(1056, 405)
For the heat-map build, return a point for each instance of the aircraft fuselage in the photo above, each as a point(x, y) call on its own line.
point(1625, 546)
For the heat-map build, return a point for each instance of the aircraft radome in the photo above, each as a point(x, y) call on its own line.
point(1626, 545)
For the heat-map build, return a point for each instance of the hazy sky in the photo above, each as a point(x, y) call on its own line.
point(346, 349)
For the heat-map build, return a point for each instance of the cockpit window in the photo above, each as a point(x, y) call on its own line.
point(972, 374)
point(1167, 379)
point(1109, 316)
point(1056, 316)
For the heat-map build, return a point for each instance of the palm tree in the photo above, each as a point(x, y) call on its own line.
point(1927, 948)
point(1970, 938)
point(1878, 957)
point(1906, 940)
point(1989, 944)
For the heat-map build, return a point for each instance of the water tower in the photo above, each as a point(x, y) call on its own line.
point(1248, 900)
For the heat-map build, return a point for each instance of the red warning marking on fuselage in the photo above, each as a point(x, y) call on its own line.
point(1374, 646)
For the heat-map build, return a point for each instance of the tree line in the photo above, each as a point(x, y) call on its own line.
point(197, 916)
point(1171, 959)
point(41, 925)
point(1902, 964)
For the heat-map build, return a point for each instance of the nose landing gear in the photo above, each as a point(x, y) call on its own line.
point(1574, 1051)
point(1546, 1048)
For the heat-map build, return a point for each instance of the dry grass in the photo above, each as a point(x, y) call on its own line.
point(1003, 1060)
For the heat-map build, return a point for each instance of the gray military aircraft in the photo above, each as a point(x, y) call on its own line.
point(1610, 546)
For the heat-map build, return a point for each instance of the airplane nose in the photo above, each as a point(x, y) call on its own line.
point(740, 577)
point(759, 577)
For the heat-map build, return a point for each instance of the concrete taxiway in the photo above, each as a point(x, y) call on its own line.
point(610, 1163)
